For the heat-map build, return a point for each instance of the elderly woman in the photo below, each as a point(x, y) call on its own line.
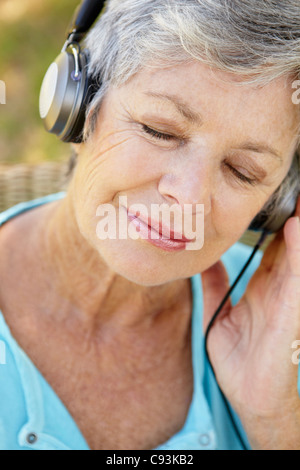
point(104, 337)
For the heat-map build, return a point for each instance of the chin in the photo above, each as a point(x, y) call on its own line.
point(137, 262)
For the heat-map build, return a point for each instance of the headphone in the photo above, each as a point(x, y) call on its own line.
point(67, 90)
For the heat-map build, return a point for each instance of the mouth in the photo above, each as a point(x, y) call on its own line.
point(157, 234)
point(158, 228)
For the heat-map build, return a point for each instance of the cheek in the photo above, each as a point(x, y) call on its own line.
point(120, 167)
point(123, 163)
point(233, 208)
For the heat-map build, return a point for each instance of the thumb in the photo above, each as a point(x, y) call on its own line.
point(215, 284)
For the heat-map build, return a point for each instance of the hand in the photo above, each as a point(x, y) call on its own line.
point(250, 344)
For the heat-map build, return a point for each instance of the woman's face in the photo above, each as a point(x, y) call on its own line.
point(183, 135)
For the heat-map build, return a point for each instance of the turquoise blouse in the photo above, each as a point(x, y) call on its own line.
point(33, 417)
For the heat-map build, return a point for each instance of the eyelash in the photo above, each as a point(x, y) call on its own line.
point(241, 177)
point(158, 135)
point(168, 137)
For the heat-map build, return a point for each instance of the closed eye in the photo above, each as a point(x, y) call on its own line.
point(167, 137)
point(241, 177)
point(156, 134)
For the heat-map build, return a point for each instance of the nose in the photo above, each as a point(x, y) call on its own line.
point(190, 183)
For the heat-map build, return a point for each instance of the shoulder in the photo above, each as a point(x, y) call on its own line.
point(23, 207)
point(14, 219)
point(17, 228)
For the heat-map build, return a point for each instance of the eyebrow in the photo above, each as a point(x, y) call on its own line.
point(196, 118)
point(258, 147)
point(185, 111)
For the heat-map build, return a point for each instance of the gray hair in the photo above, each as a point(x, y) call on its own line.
point(257, 40)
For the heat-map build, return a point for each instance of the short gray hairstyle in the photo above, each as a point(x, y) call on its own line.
point(259, 40)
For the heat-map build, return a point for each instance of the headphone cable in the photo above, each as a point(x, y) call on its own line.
point(211, 323)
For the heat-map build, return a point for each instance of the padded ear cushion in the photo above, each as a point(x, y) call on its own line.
point(64, 96)
point(273, 219)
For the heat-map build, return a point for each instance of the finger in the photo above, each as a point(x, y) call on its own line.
point(297, 211)
point(274, 252)
point(215, 284)
point(276, 249)
point(292, 239)
point(289, 295)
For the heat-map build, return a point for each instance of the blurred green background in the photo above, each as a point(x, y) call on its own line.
point(32, 32)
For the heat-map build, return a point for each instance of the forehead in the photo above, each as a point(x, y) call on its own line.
point(199, 83)
point(222, 99)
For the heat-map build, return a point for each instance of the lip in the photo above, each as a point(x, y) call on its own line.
point(164, 232)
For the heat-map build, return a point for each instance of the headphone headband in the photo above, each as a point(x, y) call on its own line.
point(83, 18)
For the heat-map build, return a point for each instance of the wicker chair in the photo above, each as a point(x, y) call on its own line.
point(21, 183)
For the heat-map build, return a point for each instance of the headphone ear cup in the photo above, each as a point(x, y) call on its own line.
point(65, 93)
point(273, 216)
